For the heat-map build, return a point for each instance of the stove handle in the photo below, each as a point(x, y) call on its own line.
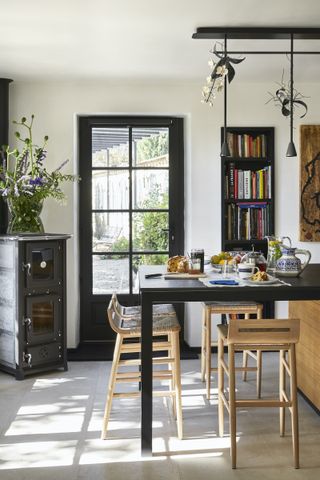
point(27, 358)
point(27, 322)
point(27, 266)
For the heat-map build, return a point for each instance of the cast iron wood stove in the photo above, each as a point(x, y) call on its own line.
point(32, 303)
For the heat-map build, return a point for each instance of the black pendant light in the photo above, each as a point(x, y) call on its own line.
point(291, 151)
point(225, 152)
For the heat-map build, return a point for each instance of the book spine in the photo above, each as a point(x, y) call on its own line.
point(254, 184)
point(260, 183)
point(230, 143)
point(231, 180)
point(240, 184)
point(236, 192)
point(269, 181)
point(247, 181)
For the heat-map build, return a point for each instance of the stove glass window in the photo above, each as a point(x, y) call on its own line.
point(42, 317)
point(42, 264)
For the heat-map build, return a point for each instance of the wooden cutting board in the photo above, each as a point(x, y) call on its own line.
point(184, 276)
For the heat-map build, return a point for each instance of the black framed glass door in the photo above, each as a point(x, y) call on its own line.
point(131, 208)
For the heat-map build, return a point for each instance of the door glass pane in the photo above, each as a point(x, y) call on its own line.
point(42, 264)
point(110, 274)
point(110, 189)
point(150, 189)
point(110, 147)
point(110, 232)
point(150, 231)
point(137, 260)
point(150, 147)
point(42, 317)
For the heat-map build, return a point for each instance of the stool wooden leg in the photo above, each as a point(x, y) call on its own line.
point(203, 343)
point(282, 386)
point(232, 406)
point(245, 355)
point(171, 354)
point(111, 385)
point(220, 384)
point(294, 411)
point(177, 381)
point(259, 372)
point(208, 353)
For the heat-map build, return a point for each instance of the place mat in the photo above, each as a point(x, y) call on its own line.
point(233, 281)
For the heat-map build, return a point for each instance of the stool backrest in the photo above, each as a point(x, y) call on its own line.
point(113, 315)
point(254, 332)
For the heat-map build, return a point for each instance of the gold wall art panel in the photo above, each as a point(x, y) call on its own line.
point(310, 183)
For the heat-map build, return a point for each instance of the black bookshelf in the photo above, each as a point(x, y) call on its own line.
point(253, 160)
point(247, 198)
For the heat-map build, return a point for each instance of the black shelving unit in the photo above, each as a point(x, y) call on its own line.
point(251, 154)
point(252, 163)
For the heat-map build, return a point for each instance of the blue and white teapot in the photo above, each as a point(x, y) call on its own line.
point(288, 265)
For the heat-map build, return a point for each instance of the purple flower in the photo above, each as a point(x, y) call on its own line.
point(36, 181)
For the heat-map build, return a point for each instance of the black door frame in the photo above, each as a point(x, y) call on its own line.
point(97, 333)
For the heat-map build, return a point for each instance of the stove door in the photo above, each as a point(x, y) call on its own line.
point(43, 319)
point(43, 264)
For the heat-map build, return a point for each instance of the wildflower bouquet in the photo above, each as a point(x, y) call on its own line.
point(25, 182)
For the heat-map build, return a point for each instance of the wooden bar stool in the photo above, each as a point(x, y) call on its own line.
point(229, 309)
point(260, 335)
point(129, 328)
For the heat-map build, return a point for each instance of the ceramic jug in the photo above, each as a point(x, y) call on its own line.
point(289, 265)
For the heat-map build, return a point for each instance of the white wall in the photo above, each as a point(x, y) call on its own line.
point(56, 106)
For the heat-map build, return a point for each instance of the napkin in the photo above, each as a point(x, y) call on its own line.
point(224, 282)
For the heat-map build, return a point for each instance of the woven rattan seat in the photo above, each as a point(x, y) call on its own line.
point(134, 311)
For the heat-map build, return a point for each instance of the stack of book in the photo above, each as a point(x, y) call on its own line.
point(247, 220)
point(248, 184)
point(245, 145)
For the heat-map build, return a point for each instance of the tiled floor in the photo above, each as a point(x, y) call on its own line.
point(50, 429)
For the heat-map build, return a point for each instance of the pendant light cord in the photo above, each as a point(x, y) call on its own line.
point(225, 96)
point(291, 88)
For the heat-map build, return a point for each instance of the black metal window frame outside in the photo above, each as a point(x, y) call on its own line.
point(130, 210)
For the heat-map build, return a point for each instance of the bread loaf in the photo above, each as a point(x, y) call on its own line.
point(178, 263)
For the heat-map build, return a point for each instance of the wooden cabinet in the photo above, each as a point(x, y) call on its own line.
point(32, 303)
point(308, 352)
point(247, 180)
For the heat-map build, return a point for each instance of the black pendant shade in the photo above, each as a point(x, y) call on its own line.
point(225, 152)
point(291, 150)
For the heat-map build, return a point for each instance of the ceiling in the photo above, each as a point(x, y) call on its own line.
point(145, 40)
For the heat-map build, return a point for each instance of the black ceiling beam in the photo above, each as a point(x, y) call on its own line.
point(258, 33)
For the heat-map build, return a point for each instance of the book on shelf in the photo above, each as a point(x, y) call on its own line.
point(248, 221)
point(247, 184)
point(246, 145)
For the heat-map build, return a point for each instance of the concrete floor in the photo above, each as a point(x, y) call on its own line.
point(50, 429)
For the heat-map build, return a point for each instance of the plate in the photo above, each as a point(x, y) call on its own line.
point(263, 282)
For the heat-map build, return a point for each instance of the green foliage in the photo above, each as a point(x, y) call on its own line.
point(120, 245)
point(23, 174)
point(149, 227)
point(152, 147)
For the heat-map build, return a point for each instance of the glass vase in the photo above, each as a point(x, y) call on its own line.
point(24, 214)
